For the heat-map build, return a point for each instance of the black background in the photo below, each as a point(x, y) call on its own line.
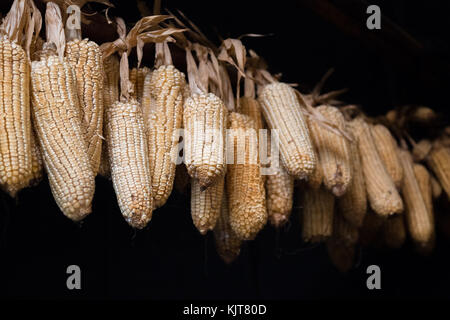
point(170, 259)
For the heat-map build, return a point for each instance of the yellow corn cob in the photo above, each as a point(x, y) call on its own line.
point(280, 190)
point(245, 186)
point(251, 108)
point(394, 231)
point(58, 124)
point(205, 204)
point(282, 111)
point(110, 95)
point(435, 187)
point(333, 150)
point(204, 119)
point(417, 217)
point(341, 256)
point(353, 204)
point(423, 179)
point(137, 78)
point(15, 128)
point(86, 60)
point(318, 207)
point(387, 149)
point(166, 115)
point(439, 161)
point(37, 165)
point(381, 191)
point(128, 155)
point(228, 244)
point(316, 178)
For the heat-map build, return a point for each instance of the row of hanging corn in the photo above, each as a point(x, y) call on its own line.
point(74, 109)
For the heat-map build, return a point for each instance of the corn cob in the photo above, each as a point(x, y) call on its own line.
point(228, 244)
point(166, 116)
point(421, 149)
point(111, 77)
point(280, 190)
point(341, 256)
point(137, 78)
point(353, 204)
point(435, 187)
point(387, 149)
point(283, 111)
point(37, 164)
point(381, 191)
point(57, 121)
point(394, 232)
point(423, 179)
point(86, 60)
point(205, 204)
point(245, 186)
point(316, 178)
point(128, 155)
point(333, 150)
point(15, 128)
point(417, 217)
point(439, 161)
point(318, 207)
point(251, 108)
point(204, 119)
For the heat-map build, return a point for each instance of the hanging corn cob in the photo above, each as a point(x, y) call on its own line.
point(387, 149)
point(245, 186)
point(418, 219)
point(125, 131)
point(110, 95)
point(37, 163)
point(438, 160)
point(58, 124)
point(86, 60)
point(15, 128)
point(204, 119)
point(165, 87)
point(137, 79)
point(317, 217)
point(228, 244)
point(381, 191)
point(282, 110)
point(353, 204)
point(333, 151)
point(435, 187)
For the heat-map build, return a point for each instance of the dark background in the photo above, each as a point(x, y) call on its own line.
point(170, 259)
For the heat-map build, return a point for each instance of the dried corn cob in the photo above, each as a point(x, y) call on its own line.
point(417, 217)
point(387, 149)
point(424, 181)
point(316, 178)
point(228, 243)
point(57, 120)
point(204, 119)
point(394, 232)
point(15, 128)
point(166, 115)
point(353, 204)
point(381, 191)
point(205, 204)
point(280, 190)
point(282, 111)
point(318, 207)
point(110, 95)
point(341, 256)
point(439, 161)
point(245, 186)
point(251, 108)
point(435, 187)
point(86, 60)
point(128, 154)
point(37, 164)
point(137, 78)
point(333, 150)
